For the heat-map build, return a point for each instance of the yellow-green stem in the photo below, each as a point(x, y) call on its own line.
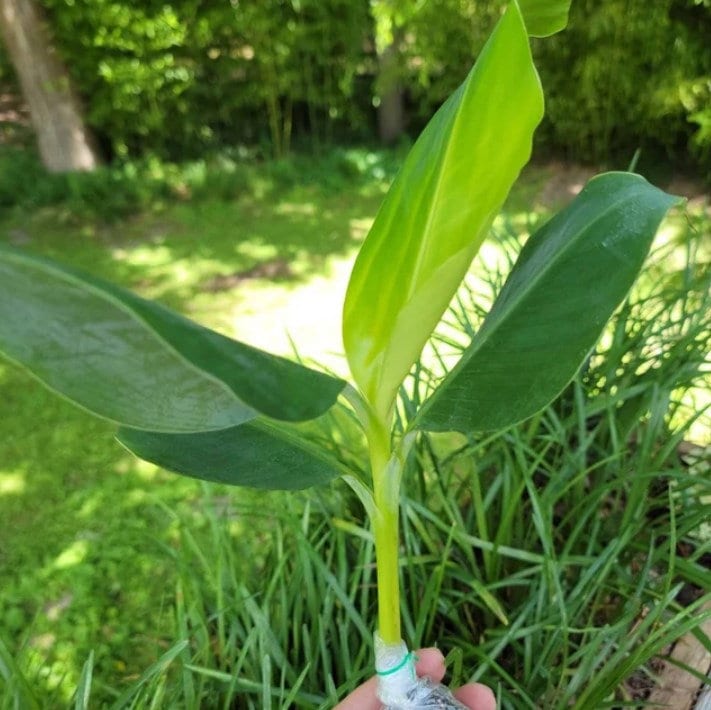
point(386, 472)
point(386, 557)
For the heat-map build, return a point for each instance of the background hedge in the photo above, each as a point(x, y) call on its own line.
point(173, 78)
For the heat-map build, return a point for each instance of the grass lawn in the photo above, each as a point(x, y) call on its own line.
point(89, 531)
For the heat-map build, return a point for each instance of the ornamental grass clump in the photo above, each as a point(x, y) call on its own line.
point(204, 405)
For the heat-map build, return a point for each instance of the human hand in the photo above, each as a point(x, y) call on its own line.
point(431, 664)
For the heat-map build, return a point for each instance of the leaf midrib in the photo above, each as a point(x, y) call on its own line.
point(417, 266)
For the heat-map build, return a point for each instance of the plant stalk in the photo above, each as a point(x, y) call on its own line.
point(387, 472)
point(386, 560)
point(386, 468)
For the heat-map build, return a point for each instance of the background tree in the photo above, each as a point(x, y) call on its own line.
point(630, 74)
point(389, 19)
point(65, 143)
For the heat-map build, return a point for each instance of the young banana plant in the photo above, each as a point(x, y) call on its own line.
point(204, 405)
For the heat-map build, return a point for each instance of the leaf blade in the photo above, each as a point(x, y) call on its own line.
point(545, 17)
point(438, 211)
point(567, 282)
point(271, 385)
point(257, 454)
point(137, 363)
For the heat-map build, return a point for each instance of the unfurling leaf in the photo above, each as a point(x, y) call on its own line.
point(438, 212)
point(544, 17)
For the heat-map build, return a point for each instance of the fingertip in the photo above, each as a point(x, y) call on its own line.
point(477, 696)
point(430, 663)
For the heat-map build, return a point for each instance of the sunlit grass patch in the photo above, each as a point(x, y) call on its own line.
point(12, 483)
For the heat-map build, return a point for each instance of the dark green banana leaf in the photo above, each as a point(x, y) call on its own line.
point(137, 363)
point(568, 280)
point(258, 454)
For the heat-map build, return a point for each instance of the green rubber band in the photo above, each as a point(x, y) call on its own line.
point(399, 666)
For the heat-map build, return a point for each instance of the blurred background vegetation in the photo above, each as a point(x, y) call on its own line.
point(240, 166)
point(173, 79)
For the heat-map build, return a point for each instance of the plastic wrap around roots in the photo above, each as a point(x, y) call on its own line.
point(426, 695)
point(399, 688)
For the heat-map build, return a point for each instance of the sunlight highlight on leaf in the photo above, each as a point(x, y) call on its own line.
point(438, 212)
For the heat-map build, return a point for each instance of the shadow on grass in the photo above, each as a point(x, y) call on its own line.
point(187, 249)
point(86, 554)
point(76, 553)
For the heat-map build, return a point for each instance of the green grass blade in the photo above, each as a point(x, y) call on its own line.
point(17, 688)
point(83, 692)
point(149, 675)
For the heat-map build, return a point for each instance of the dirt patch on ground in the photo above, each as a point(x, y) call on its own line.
point(698, 194)
point(566, 180)
point(274, 270)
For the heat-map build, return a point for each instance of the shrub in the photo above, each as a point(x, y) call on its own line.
point(630, 75)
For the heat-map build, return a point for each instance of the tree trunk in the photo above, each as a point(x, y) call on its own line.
point(391, 109)
point(65, 143)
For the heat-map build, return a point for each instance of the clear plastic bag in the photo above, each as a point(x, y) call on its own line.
point(399, 688)
point(426, 695)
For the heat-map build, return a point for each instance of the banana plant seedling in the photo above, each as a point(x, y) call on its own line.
point(201, 404)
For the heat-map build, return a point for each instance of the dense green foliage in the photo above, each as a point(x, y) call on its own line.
point(124, 188)
point(629, 74)
point(174, 78)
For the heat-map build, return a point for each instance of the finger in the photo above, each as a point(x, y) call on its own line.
point(430, 663)
point(364, 697)
point(477, 696)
